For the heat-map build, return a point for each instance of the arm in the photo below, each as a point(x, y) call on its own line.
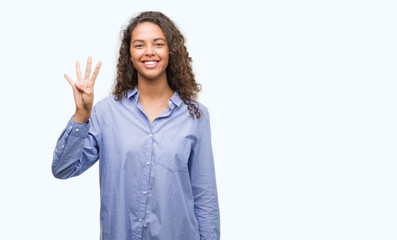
point(77, 148)
point(202, 176)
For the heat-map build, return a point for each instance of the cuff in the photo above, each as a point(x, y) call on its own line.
point(77, 129)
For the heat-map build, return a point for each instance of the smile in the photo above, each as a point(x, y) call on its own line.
point(150, 64)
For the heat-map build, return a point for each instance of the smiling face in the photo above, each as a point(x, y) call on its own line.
point(149, 51)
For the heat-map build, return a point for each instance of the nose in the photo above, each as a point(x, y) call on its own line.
point(149, 51)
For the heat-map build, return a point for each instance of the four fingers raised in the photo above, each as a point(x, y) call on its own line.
point(83, 88)
point(87, 72)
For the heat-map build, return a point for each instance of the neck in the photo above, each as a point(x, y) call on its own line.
point(154, 90)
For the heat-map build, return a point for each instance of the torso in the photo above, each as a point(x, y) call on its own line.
point(137, 157)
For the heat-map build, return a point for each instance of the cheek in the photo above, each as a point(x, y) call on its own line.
point(166, 56)
point(135, 53)
point(134, 58)
point(132, 55)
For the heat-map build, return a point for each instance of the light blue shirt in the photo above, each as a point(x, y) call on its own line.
point(157, 181)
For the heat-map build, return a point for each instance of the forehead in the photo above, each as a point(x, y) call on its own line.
point(147, 31)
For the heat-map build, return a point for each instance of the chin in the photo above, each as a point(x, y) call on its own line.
point(151, 77)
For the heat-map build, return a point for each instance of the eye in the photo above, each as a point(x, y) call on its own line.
point(159, 44)
point(138, 45)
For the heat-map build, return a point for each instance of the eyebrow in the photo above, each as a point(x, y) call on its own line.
point(156, 39)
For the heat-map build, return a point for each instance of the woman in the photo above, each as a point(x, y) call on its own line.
point(152, 139)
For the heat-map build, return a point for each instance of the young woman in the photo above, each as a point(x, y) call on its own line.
point(152, 138)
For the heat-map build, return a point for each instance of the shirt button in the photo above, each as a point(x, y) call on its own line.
point(71, 127)
point(150, 135)
point(147, 163)
point(144, 193)
point(170, 102)
point(77, 129)
point(140, 220)
point(62, 146)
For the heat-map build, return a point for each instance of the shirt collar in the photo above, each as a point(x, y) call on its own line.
point(133, 93)
point(176, 99)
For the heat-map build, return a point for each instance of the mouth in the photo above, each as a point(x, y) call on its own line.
point(150, 63)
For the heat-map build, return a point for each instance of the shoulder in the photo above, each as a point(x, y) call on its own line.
point(203, 122)
point(197, 123)
point(204, 111)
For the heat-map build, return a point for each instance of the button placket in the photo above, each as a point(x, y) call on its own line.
point(146, 185)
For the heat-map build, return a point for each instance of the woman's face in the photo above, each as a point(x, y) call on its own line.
point(149, 51)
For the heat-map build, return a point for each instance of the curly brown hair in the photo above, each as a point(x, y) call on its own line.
point(179, 71)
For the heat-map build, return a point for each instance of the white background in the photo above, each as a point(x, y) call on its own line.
point(302, 96)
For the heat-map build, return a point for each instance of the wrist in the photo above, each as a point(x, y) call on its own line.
point(82, 116)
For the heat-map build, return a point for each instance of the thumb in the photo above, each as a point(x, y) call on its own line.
point(83, 88)
point(79, 86)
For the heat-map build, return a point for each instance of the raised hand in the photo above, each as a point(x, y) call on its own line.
point(83, 90)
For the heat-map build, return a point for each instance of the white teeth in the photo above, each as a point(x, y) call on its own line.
point(151, 63)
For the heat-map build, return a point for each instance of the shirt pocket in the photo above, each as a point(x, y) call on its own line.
point(174, 155)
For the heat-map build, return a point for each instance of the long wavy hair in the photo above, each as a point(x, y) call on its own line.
point(179, 71)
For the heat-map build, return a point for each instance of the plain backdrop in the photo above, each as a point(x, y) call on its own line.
point(302, 97)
